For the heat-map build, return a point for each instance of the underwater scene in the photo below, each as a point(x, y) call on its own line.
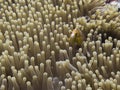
point(59, 44)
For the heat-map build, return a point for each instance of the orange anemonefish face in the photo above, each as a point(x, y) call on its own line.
point(76, 37)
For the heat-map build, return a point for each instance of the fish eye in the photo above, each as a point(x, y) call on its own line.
point(76, 34)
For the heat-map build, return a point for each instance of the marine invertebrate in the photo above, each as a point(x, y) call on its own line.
point(116, 3)
point(35, 53)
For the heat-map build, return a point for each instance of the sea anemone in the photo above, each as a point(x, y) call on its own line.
point(35, 53)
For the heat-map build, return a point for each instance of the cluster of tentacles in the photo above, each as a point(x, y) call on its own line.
point(35, 53)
